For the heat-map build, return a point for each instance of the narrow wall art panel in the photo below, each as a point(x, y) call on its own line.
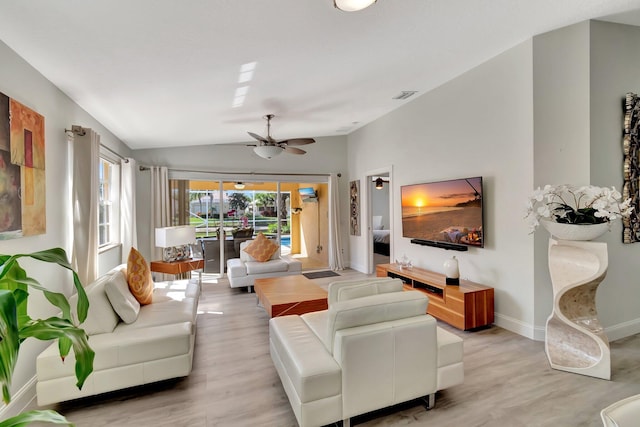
point(354, 202)
point(631, 167)
point(22, 171)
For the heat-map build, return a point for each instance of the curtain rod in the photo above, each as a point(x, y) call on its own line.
point(146, 168)
point(114, 153)
point(80, 131)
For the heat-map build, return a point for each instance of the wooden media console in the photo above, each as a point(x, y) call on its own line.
point(465, 306)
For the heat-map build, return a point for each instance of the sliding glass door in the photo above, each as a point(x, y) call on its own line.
point(227, 213)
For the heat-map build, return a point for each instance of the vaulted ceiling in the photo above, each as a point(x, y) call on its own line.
point(162, 73)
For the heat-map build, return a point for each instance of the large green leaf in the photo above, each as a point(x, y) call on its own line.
point(9, 341)
point(54, 328)
point(16, 325)
point(12, 272)
point(26, 418)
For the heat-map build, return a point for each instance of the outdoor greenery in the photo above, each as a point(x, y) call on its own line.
point(273, 228)
point(239, 201)
point(255, 209)
point(16, 326)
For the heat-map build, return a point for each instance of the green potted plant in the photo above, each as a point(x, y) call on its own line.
point(16, 326)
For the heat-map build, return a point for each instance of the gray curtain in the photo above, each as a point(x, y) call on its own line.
point(86, 157)
point(160, 209)
point(336, 261)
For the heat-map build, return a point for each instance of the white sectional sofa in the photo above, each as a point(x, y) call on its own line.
point(156, 345)
point(243, 271)
point(374, 347)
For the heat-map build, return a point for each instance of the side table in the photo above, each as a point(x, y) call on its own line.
point(180, 269)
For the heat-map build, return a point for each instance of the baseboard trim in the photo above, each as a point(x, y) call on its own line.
point(20, 400)
point(514, 325)
point(623, 330)
point(359, 268)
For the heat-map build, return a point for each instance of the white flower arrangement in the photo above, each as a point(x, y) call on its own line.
point(570, 204)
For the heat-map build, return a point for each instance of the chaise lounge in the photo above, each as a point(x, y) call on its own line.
point(324, 359)
point(131, 347)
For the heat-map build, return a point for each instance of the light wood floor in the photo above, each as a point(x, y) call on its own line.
point(508, 382)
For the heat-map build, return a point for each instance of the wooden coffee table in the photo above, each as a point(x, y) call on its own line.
point(285, 295)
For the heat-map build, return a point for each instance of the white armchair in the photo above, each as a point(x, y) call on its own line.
point(243, 271)
point(374, 347)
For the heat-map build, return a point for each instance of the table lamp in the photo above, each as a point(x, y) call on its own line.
point(175, 242)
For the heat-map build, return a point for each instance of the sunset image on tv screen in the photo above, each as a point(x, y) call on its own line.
point(445, 211)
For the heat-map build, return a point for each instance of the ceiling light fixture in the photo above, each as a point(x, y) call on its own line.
point(379, 183)
point(352, 5)
point(268, 151)
point(239, 185)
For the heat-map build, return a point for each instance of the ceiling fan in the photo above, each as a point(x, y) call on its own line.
point(269, 147)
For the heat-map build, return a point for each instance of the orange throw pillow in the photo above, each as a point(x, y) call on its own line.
point(262, 249)
point(139, 277)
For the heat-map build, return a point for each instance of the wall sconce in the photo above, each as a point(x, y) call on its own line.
point(296, 211)
point(175, 241)
point(379, 183)
point(239, 185)
point(352, 5)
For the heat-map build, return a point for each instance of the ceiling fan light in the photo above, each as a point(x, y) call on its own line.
point(268, 151)
point(352, 5)
point(239, 185)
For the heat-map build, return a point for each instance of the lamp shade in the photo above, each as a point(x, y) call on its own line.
point(167, 237)
point(352, 5)
point(268, 151)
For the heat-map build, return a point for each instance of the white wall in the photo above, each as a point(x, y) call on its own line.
point(548, 111)
point(561, 147)
point(20, 81)
point(615, 70)
point(479, 124)
point(581, 76)
point(327, 155)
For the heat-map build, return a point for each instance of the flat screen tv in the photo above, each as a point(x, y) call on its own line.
point(448, 212)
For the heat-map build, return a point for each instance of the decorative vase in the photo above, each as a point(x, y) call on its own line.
point(575, 340)
point(451, 271)
point(579, 232)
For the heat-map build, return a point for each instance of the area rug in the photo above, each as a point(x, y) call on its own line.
point(319, 274)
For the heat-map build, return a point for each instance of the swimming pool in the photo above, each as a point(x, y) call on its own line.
point(285, 240)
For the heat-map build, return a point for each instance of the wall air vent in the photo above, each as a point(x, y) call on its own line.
point(405, 94)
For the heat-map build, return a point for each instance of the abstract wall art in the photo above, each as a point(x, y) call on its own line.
point(22, 170)
point(354, 210)
point(631, 167)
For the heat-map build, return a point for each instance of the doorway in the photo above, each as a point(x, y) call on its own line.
point(380, 209)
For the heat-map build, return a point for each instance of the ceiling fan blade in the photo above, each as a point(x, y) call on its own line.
point(258, 137)
point(298, 141)
point(293, 150)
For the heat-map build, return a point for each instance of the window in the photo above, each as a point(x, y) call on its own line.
point(108, 208)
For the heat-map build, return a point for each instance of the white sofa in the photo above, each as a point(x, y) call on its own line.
point(374, 347)
point(157, 345)
point(243, 271)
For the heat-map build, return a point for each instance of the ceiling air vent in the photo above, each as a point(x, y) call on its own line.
point(405, 94)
